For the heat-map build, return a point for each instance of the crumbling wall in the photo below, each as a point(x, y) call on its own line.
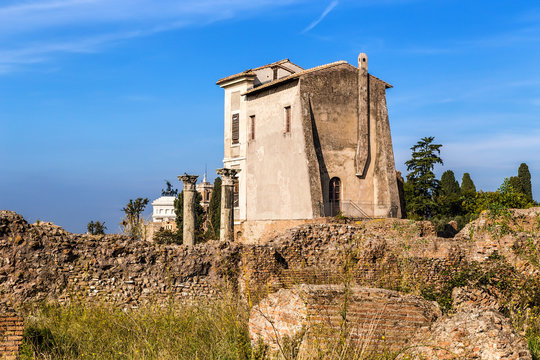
point(44, 262)
point(364, 318)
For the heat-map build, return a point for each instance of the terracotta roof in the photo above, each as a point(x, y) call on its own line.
point(250, 72)
point(244, 73)
point(294, 76)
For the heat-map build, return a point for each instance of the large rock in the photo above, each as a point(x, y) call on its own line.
point(482, 334)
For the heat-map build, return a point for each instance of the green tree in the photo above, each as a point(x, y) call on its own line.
point(96, 228)
point(449, 184)
point(449, 201)
point(524, 176)
point(422, 185)
point(515, 183)
point(467, 185)
point(199, 216)
point(214, 211)
point(133, 223)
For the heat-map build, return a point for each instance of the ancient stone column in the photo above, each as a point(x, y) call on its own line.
point(188, 233)
point(226, 227)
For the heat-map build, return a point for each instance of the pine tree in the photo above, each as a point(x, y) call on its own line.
point(525, 178)
point(449, 184)
point(422, 184)
point(214, 211)
point(467, 185)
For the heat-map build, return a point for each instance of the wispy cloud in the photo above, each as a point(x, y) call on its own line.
point(38, 31)
point(326, 11)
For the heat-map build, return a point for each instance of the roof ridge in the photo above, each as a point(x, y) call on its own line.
point(251, 71)
point(295, 75)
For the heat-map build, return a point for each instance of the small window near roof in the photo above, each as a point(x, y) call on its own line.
point(287, 119)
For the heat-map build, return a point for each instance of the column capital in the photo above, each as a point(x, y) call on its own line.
point(227, 173)
point(188, 180)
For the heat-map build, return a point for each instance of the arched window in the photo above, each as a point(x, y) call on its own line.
point(335, 196)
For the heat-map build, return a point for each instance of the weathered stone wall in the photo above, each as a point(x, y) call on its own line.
point(367, 318)
point(44, 262)
point(11, 336)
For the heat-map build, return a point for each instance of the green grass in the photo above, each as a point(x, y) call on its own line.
point(214, 330)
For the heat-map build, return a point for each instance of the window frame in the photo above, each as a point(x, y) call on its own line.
point(235, 142)
point(252, 124)
point(288, 119)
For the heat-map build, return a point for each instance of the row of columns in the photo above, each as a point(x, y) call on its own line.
point(226, 228)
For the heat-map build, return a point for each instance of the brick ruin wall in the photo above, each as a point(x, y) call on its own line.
point(44, 262)
point(367, 318)
point(11, 336)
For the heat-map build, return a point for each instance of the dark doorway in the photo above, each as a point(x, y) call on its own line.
point(335, 196)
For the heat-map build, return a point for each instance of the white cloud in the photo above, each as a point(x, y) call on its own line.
point(36, 31)
point(326, 11)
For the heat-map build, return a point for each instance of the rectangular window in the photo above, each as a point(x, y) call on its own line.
point(236, 191)
point(235, 128)
point(252, 127)
point(287, 119)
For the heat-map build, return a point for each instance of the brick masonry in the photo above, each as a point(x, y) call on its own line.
point(11, 336)
point(365, 318)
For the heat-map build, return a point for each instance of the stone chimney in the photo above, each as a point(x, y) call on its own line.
point(362, 150)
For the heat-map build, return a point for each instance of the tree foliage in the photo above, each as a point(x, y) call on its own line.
point(506, 197)
point(449, 184)
point(422, 185)
point(199, 217)
point(524, 176)
point(214, 211)
point(133, 223)
point(467, 185)
point(96, 228)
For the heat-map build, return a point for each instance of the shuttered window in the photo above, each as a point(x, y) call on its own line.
point(235, 128)
point(236, 192)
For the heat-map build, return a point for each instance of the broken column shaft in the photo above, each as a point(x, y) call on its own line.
point(188, 233)
point(226, 227)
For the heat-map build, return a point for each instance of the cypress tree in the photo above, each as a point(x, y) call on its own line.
point(467, 185)
point(449, 184)
point(214, 211)
point(525, 179)
point(515, 183)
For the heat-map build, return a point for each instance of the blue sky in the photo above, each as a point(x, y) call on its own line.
point(102, 100)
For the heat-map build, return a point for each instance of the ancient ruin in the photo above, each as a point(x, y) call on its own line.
point(44, 262)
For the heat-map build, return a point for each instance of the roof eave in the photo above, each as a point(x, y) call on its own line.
point(235, 79)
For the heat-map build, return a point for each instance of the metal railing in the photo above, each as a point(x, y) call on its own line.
point(351, 209)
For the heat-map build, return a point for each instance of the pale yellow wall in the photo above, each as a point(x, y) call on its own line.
point(277, 172)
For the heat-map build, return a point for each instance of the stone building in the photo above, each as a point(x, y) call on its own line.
point(205, 189)
point(308, 143)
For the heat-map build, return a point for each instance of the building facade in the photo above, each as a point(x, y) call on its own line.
point(309, 143)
